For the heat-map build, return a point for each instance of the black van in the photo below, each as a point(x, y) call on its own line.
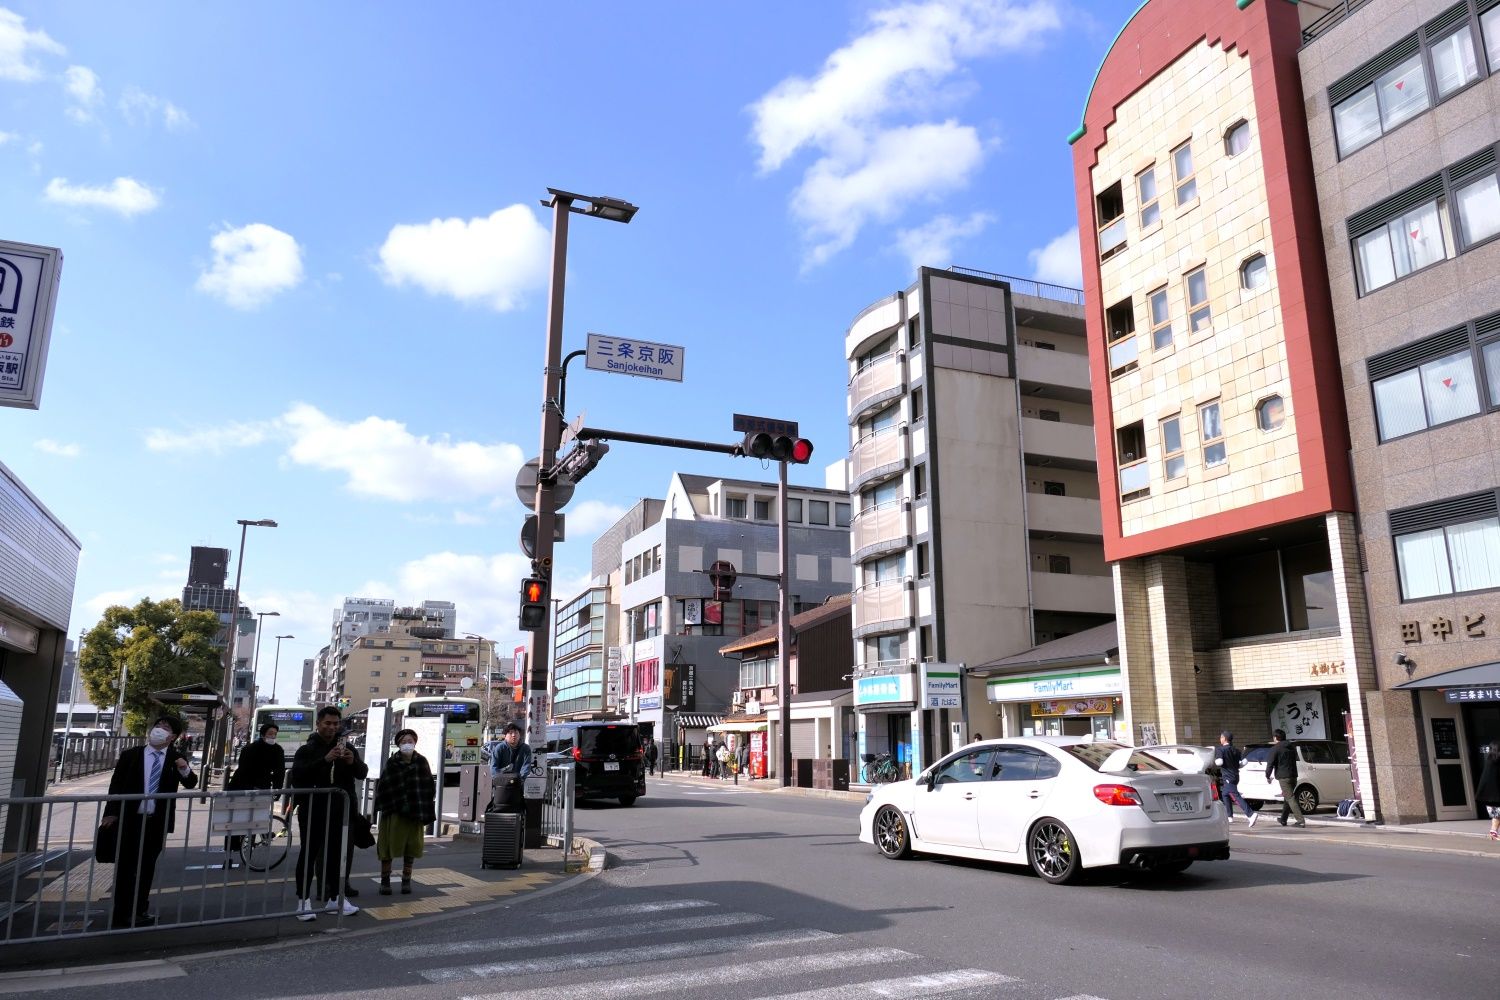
point(609, 760)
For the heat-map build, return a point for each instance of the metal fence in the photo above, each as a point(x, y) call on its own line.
point(229, 856)
point(1339, 10)
point(557, 808)
point(80, 756)
point(1029, 286)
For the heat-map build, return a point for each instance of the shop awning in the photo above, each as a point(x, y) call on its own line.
point(696, 720)
point(1484, 675)
point(738, 727)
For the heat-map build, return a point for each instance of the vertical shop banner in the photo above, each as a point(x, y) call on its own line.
point(28, 298)
point(1299, 714)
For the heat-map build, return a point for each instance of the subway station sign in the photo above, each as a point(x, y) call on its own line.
point(28, 297)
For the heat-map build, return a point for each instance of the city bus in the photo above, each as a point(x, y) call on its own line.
point(294, 723)
point(465, 729)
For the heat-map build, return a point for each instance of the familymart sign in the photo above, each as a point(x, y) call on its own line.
point(1077, 684)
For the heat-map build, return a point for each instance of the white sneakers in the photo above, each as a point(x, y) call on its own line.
point(305, 910)
point(349, 909)
point(1231, 820)
point(1253, 818)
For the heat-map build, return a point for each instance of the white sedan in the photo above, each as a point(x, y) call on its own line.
point(1059, 804)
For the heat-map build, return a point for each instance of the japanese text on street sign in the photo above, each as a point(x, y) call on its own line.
point(28, 296)
point(627, 356)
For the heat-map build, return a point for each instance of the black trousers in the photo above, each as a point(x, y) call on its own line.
point(320, 826)
point(140, 842)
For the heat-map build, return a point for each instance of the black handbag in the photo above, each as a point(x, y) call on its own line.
point(360, 833)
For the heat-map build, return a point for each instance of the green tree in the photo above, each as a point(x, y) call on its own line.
point(160, 644)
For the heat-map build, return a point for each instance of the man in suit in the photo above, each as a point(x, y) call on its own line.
point(141, 827)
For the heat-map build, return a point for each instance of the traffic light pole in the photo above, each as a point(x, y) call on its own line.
point(783, 631)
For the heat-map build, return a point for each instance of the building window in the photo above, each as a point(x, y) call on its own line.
point(374, 673)
point(817, 511)
point(1145, 183)
point(841, 515)
point(1059, 564)
point(628, 577)
point(734, 507)
point(1119, 323)
point(924, 565)
point(1237, 138)
point(376, 657)
point(1255, 274)
point(1200, 316)
point(1407, 243)
point(919, 476)
point(1054, 489)
point(374, 689)
point(401, 673)
point(914, 331)
point(918, 406)
point(1051, 416)
point(1489, 23)
point(1270, 413)
point(1453, 64)
point(1447, 547)
point(655, 558)
point(1135, 474)
point(1212, 430)
point(1109, 210)
point(1182, 173)
point(794, 510)
point(1174, 463)
point(1428, 394)
point(762, 510)
point(1161, 320)
point(1478, 204)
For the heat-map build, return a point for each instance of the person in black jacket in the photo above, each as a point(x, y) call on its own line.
point(140, 827)
point(326, 760)
point(262, 765)
point(1228, 759)
point(1282, 762)
point(1488, 792)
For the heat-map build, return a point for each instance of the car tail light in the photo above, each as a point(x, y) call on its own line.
point(577, 753)
point(1117, 795)
point(1215, 786)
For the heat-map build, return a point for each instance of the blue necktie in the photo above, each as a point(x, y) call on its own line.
point(148, 807)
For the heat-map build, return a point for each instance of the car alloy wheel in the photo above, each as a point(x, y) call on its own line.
point(1307, 798)
point(1052, 853)
point(891, 838)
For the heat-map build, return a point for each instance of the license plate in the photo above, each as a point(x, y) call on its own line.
point(611, 766)
point(1180, 804)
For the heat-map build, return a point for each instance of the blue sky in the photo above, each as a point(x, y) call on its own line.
point(305, 264)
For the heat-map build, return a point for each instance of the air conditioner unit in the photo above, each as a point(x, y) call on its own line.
point(736, 698)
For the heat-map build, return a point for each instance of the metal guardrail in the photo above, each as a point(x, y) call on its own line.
point(81, 756)
point(557, 808)
point(60, 891)
point(1029, 286)
point(1340, 10)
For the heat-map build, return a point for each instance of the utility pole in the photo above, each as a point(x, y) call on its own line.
point(783, 630)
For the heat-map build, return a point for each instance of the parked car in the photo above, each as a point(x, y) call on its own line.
point(1058, 804)
point(1184, 757)
point(1323, 775)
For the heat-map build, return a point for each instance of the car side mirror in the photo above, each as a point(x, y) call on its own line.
point(930, 780)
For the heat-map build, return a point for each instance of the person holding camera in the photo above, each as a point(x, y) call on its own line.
point(326, 760)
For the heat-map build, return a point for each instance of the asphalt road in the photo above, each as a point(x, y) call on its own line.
point(732, 894)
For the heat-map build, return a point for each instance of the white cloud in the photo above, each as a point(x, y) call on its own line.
point(141, 108)
point(487, 586)
point(838, 196)
point(1059, 262)
point(463, 517)
point(252, 264)
point(491, 261)
point(7, 137)
point(57, 448)
point(18, 44)
point(932, 244)
point(125, 195)
point(904, 64)
point(82, 85)
point(591, 517)
point(213, 440)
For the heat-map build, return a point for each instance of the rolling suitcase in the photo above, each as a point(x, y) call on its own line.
point(503, 835)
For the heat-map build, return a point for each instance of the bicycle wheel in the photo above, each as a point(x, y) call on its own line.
point(262, 852)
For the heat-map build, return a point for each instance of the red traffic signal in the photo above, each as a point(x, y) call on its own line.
point(534, 604)
point(777, 447)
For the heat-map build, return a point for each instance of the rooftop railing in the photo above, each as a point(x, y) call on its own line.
point(1029, 286)
point(1340, 9)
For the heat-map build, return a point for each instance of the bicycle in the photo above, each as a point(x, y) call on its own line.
point(879, 769)
point(262, 852)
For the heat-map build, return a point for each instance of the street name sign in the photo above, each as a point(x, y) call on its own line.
point(627, 356)
point(746, 424)
point(28, 298)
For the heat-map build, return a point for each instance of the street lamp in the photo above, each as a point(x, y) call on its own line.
point(562, 203)
point(260, 622)
point(277, 667)
point(221, 745)
point(489, 682)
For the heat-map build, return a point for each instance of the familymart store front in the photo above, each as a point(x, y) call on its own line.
point(1059, 703)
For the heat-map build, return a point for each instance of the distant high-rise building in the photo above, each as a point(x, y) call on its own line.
point(208, 566)
point(208, 571)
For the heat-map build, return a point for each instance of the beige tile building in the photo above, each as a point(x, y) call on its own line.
point(976, 529)
point(1403, 112)
point(1220, 425)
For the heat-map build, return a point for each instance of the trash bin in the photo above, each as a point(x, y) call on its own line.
point(803, 769)
point(840, 767)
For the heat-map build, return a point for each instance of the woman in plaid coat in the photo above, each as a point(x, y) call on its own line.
point(407, 801)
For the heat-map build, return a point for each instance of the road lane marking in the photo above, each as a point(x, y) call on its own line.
point(724, 975)
point(628, 909)
point(930, 984)
point(595, 933)
point(625, 956)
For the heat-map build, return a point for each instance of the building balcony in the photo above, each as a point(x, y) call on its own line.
point(883, 607)
point(1073, 444)
point(879, 456)
point(1036, 366)
point(1064, 516)
point(883, 528)
point(882, 379)
point(1073, 592)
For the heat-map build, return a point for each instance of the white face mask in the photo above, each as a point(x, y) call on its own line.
point(159, 737)
point(408, 748)
point(269, 739)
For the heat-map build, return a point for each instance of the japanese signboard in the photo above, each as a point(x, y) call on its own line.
point(942, 685)
point(28, 297)
point(1441, 628)
point(1299, 714)
point(627, 356)
point(1491, 693)
point(889, 689)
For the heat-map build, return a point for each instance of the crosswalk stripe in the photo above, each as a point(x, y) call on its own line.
point(1082, 996)
point(927, 985)
point(634, 929)
point(624, 956)
point(723, 975)
point(628, 910)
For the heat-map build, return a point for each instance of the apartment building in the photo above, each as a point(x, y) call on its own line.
point(1403, 106)
point(977, 526)
point(410, 656)
point(1229, 509)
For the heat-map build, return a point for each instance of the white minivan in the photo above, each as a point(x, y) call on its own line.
point(1323, 775)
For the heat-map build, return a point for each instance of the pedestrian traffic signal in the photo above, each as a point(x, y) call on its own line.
point(776, 447)
point(534, 604)
point(581, 460)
